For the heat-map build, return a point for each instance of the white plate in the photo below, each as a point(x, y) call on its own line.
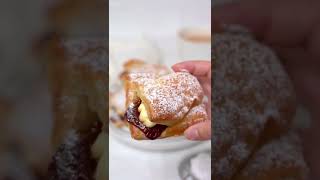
point(166, 144)
point(184, 169)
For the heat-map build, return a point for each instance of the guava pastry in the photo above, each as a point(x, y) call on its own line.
point(117, 97)
point(160, 106)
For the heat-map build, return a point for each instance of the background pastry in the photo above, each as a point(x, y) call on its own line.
point(79, 83)
point(123, 50)
point(279, 159)
point(117, 108)
point(253, 100)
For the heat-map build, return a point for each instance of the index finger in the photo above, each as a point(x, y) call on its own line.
point(197, 68)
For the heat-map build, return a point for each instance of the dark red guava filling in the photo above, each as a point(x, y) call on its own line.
point(132, 116)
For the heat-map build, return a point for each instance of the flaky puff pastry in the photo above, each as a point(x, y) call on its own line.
point(134, 66)
point(173, 102)
point(277, 160)
point(139, 66)
point(117, 98)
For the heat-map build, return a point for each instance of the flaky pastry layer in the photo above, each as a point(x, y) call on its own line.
point(174, 100)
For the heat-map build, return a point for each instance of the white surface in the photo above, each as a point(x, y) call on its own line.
point(128, 163)
point(156, 17)
point(158, 20)
point(201, 166)
point(121, 49)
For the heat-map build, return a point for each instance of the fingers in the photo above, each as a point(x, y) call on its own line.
point(197, 68)
point(200, 131)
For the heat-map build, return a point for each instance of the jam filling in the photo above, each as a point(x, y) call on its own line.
point(132, 116)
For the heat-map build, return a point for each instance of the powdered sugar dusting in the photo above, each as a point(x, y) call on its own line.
point(285, 153)
point(67, 158)
point(63, 161)
point(92, 52)
point(250, 86)
point(198, 111)
point(169, 96)
point(139, 66)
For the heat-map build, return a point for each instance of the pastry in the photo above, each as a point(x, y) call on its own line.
point(122, 50)
point(253, 99)
point(117, 108)
point(139, 66)
point(280, 159)
point(160, 106)
point(78, 70)
point(117, 98)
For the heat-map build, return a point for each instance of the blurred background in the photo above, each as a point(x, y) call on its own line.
point(25, 102)
point(24, 98)
point(161, 32)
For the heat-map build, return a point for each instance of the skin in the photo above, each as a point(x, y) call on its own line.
point(292, 29)
point(201, 70)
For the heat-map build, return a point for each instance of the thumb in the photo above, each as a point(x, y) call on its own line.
point(200, 131)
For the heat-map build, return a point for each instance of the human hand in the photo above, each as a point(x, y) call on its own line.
point(201, 70)
point(292, 29)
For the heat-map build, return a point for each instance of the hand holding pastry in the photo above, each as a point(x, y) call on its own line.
point(160, 106)
point(201, 70)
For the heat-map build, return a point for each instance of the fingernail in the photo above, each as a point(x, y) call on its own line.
point(192, 134)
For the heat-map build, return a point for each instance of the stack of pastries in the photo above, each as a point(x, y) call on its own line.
point(253, 108)
point(159, 103)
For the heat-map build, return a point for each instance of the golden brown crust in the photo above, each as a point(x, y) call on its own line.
point(196, 115)
point(139, 66)
point(132, 63)
point(174, 100)
point(167, 98)
point(118, 97)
